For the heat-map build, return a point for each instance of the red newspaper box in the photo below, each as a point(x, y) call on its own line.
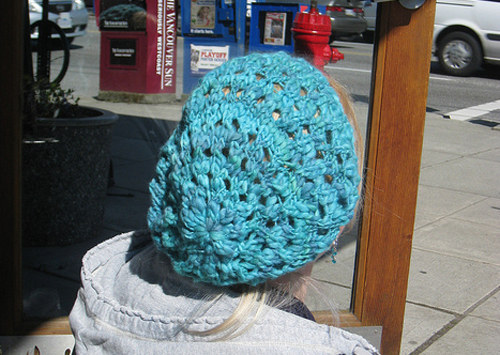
point(138, 49)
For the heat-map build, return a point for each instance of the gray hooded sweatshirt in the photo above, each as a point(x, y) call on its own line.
point(131, 302)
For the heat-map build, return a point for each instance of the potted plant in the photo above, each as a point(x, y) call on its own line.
point(66, 160)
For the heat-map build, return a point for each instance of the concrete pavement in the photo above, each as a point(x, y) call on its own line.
point(453, 298)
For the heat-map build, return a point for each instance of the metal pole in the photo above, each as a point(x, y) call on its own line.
point(43, 58)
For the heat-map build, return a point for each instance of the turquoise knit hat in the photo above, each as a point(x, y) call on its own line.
point(259, 175)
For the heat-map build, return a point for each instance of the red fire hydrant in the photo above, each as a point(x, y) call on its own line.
point(311, 33)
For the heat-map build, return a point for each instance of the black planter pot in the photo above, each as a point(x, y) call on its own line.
point(65, 177)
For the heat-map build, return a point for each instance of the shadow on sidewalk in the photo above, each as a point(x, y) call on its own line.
point(51, 275)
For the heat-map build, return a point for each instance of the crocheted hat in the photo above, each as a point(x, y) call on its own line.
point(259, 175)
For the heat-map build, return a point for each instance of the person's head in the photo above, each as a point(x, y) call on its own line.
point(203, 12)
point(259, 176)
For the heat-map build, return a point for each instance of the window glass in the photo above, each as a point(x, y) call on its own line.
point(72, 203)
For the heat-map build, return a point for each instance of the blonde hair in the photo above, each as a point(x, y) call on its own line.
point(253, 299)
point(348, 106)
point(250, 306)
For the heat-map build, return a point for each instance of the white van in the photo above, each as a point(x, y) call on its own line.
point(466, 33)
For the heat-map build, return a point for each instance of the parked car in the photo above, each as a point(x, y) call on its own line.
point(70, 15)
point(370, 10)
point(346, 16)
point(466, 34)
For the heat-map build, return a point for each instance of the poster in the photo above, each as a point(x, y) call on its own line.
point(204, 58)
point(203, 14)
point(274, 28)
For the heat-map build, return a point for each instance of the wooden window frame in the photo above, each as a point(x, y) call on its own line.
point(398, 97)
point(400, 76)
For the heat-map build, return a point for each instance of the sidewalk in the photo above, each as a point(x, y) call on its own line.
point(453, 303)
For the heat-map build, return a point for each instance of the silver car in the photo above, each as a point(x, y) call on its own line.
point(346, 16)
point(71, 15)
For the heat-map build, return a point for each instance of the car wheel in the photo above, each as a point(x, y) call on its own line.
point(459, 54)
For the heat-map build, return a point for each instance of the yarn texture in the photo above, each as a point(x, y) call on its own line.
point(259, 175)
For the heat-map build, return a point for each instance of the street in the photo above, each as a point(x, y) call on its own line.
point(446, 94)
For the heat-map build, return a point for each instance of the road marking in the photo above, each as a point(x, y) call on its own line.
point(439, 78)
point(368, 71)
point(469, 113)
point(350, 69)
point(357, 53)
